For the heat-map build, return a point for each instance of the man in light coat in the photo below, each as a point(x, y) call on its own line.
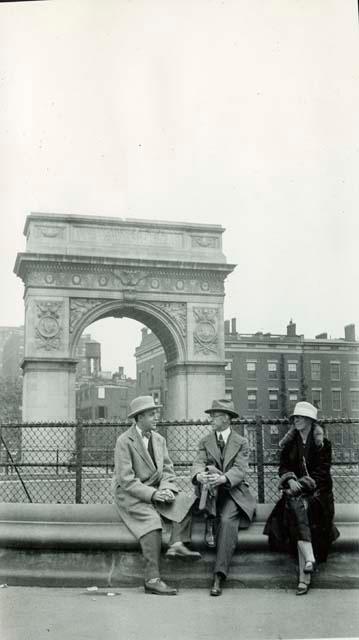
point(219, 471)
point(146, 492)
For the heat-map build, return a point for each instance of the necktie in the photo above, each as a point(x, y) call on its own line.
point(150, 450)
point(221, 443)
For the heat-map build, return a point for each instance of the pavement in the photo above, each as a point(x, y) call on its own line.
point(34, 613)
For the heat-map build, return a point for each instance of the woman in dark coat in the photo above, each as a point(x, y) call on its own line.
point(302, 520)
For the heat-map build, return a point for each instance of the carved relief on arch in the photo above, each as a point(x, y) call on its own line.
point(177, 312)
point(48, 329)
point(205, 335)
point(79, 307)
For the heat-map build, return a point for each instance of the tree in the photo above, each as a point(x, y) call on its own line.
point(10, 399)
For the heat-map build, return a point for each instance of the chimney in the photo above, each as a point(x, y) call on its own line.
point(291, 329)
point(234, 326)
point(322, 336)
point(349, 332)
point(226, 327)
point(120, 371)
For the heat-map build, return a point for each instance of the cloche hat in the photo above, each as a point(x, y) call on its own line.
point(226, 406)
point(141, 404)
point(304, 409)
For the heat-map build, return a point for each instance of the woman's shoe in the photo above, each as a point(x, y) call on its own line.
point(309, 567)
point(302, 589)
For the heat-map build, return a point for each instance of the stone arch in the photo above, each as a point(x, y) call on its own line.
point(169, 276)
point(169, 330)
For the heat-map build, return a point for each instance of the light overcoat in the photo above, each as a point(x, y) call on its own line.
point(234, 465)
point(136, 478)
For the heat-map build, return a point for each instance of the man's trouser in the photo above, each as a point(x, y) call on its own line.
point(151, 544)
point(227, 532)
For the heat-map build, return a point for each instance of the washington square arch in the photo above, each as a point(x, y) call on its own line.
point(168, 276)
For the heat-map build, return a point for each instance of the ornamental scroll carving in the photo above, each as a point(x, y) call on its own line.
point(79, 307)
point(178, 312)
point(207, 242)
point(48, 331)
point(205, 335)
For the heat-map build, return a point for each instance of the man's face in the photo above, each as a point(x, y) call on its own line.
point(147, 420)
point(220, 420)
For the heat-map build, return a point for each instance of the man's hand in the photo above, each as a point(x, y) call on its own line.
point(202, 477)
point(216, 479)
point(294, 487)
point(318, 435)
point(163, 495)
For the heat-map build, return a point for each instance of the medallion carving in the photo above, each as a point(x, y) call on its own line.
point(205, 335)
point(177, 311)
point(48, 331)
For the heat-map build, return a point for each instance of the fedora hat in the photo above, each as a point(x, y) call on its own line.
point(226, 406)
point(304, 409)
point(141, 404)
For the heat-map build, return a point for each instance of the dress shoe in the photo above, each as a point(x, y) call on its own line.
point(182, 553)
point(302, 589)
point(159, 588)
point(209, 536)
point(216, 588)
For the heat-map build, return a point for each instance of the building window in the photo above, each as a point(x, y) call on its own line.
point(251, 369)
point(228, 394)
point(252, 399)
point(338, 435)
point(315, 370)
point(273, 399)
point(354, 370)
point(272, 370)
point(152, 376)
point(336, 399)
point(274, 435)
point(292, 370)
point(354, 399)
point(101, 412)
point(101, 393)
point(317, 398)
point(335, 370)
point(293, 398)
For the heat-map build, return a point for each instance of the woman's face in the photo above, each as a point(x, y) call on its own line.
point(301, 422)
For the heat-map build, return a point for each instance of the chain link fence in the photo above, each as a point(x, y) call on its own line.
point(73, 462)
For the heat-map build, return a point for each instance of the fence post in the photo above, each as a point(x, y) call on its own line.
point(260, 459)
point(79, 446)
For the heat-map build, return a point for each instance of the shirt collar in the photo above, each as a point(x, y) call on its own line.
point(225, 434)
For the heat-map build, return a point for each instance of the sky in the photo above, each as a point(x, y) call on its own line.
point(230, 112)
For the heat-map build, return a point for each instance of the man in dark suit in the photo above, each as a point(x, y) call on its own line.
point(219, 471)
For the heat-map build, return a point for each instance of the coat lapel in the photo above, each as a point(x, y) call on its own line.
point(140, 447)
point(157, 451)
point(212, 447)
point(232, 447)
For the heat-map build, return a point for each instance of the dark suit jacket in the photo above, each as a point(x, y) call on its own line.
point(234, 467)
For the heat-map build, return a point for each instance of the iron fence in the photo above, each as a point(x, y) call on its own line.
point(73, 462)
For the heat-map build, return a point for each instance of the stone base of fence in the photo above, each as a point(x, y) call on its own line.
point(86, 545)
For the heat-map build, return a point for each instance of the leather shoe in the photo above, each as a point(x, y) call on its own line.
point(216, 588)
point(182, 553)
point(209, 536)
point(159, 588)
point(302, 589)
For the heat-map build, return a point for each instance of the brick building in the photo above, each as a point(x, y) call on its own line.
point(105, 396)
point(267, 374)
